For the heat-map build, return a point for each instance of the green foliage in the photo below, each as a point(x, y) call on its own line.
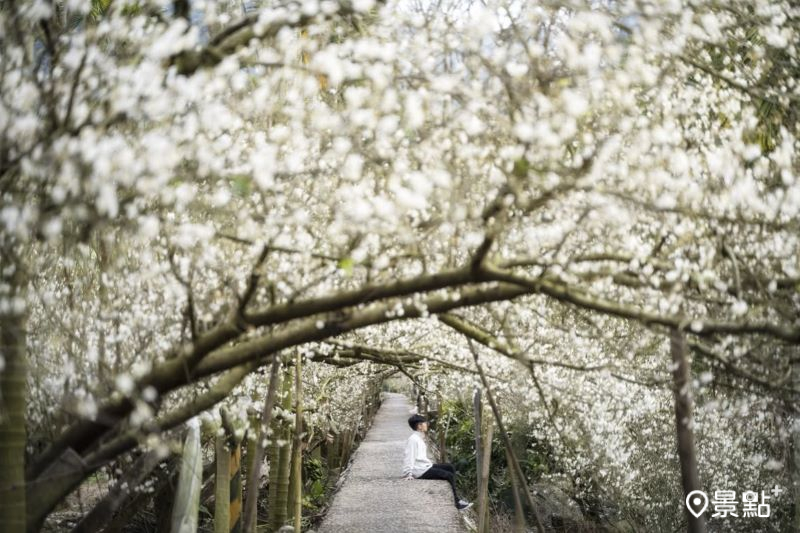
point(314, 475)
point(241, 185)
point(99, 9)
point(521, 167)
point(536, 455)
point(316, 490)
point(346, 264)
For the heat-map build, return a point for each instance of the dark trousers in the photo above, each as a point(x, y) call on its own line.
point(442, 471)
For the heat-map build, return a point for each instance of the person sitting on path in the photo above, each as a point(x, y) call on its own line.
point(416, 464)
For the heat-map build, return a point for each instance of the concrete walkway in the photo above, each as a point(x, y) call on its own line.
point(375, 499)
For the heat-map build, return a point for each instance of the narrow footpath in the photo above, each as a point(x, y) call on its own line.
point(375, 499)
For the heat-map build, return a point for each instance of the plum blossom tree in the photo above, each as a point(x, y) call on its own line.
point(188, 191)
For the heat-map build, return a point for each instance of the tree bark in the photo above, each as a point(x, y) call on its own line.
point(13, 397)
point(682, 384)
point(795, 475)
point(794, 442)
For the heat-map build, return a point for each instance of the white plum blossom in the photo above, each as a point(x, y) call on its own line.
point(601, 174)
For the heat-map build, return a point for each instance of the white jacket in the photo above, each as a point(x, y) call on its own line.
point(415, 461)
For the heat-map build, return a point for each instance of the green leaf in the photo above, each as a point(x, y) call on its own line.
point(521, 167)
point(346, 264)
point(241, 185)
point(317, 488)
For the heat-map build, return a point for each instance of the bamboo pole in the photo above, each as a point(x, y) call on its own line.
point(513, 463)
point(297, 448)
point(251, 504)
point(278, 511)
point(222, 482)
point(250, 447)
point(273, 457)
point(483, 451)
point(476, 414)
point(483, 487)
point(233, 476)
point(187, 497)
point(235, 498)
point(519, 513)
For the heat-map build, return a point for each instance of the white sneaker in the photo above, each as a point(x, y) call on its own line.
point(463, 504)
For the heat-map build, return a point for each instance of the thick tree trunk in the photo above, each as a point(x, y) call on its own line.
point(13, 397)
point(795, 473)
point(794, 443)
point(682, 383)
